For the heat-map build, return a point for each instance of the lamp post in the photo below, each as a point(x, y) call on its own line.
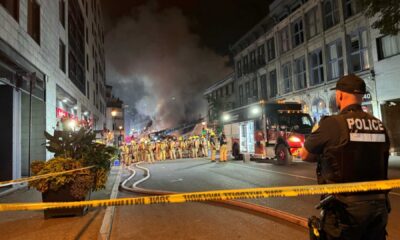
point(113, 114)
point(120, 134)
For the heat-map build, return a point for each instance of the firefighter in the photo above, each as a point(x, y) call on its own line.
point(195, 147)
point(142, 150)
point(213, 146)
point(204, 145)
point(181, 147)
point(149, 152)
point(223, 150)
point(158, 150)
point(352, 146)
point(163, 148)
point(172, 149)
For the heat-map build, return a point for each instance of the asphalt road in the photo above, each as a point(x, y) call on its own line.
point(204, 221)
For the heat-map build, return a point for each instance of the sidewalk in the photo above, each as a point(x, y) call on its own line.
point(32, 225)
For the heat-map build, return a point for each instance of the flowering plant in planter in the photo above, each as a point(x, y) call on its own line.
point(73, 150)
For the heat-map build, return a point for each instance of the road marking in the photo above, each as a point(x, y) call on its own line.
point(177, 180)
point(282, 173)
point(297, 176)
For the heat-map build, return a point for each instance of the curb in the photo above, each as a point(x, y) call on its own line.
point(106, 226)
point(13, 189)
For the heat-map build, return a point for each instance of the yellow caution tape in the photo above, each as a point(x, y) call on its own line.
point(292, 191)
point(29, 179)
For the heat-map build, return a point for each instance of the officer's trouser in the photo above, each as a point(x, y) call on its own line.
point(194, 152)
point(172, 154)
point(204, 152)
point(362, 220)
point(136, 156)
point(128, 160)
point(223, 152)
point(180, 153)
point(151, 156)
point(163, 155)
point(213, 154)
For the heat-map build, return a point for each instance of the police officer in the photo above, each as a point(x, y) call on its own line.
point(352, 146)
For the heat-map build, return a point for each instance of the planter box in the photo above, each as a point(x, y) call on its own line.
point(63, 195)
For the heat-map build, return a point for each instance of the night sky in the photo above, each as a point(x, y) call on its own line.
point(219, 23)
point(161, 55)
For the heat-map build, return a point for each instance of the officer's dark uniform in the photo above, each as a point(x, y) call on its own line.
point(352, 147)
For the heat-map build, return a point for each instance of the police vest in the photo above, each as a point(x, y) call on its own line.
point(361, 154)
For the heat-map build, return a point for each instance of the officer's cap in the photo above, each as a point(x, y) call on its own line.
point(351, 84)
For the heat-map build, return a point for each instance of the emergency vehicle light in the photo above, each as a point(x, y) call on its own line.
point(294, 139)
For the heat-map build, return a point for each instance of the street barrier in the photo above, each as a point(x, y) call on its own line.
point(33, 178)
point(220, 195)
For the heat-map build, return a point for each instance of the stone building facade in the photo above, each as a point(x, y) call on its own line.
point(57, 47)
point(299, 51)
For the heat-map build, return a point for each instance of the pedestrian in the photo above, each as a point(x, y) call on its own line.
point(223, 150)
point(352, 146)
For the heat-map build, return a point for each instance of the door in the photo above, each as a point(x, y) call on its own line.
point(6, 133)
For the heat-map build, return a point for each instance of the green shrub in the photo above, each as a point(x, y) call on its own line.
point(74, 150)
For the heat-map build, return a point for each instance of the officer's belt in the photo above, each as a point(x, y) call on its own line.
point(361, 197)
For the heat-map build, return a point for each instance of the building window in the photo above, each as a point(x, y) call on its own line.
point(62, 56)
point(359, 51)
point(273, 86)
point(316, 67)
point(241, 97)
point(232, 87)
point(253, 60)
point(226, 90)
point(12, 7)
point(247, 91)
point(331, 13)
point(245, 61)
point(263, 82)
point(87, 62)
point(335, 60)
point(350, 8)
point(300, 73)
point(313, 22)
point(61, 8)
point(287, 77)
point(88, 90)
point(271, 49)
point(297, 30)
point(34, 20)
point(284, 38)
point(87, 35)
point(239, 68)
point(261, 55)
point(255, 89)
point(388, 46)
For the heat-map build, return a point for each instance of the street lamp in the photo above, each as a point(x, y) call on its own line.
point(113, 114)
point(120, 134)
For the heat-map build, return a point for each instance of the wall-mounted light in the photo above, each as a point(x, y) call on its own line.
point(226, 117)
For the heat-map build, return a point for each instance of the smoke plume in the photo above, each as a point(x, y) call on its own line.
point(157, 66)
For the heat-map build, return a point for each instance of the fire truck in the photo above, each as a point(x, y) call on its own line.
point(265, 130)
